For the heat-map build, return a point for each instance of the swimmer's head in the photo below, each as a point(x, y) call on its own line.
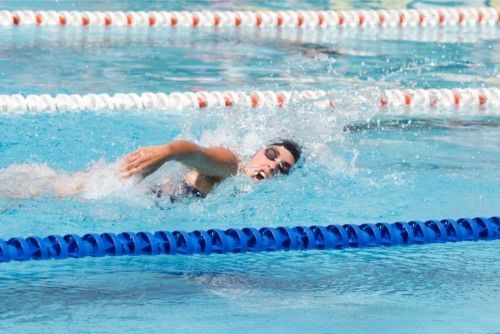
point(276, 158)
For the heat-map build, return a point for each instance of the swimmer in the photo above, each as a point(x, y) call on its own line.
point(210, 165)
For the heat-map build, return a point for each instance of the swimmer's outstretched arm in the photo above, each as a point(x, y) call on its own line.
point(211, 161)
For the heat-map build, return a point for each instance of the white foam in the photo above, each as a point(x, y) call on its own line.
point(98, 181)
point(26, 180)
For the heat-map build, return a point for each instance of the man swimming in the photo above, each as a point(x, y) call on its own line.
point(210, 165)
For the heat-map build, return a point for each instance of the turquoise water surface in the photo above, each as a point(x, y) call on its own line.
point(358, 168)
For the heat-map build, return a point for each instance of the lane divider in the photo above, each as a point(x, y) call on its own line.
point(392, 101)
point(426, 17)
point(236, 240)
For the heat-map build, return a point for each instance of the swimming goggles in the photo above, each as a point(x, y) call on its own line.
point(272, 154)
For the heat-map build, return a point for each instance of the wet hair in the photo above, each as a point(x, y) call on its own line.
point(290, 146)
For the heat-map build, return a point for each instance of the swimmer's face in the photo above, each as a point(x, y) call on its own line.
point(270, 161)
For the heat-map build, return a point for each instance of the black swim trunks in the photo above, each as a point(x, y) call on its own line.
point(186, 190)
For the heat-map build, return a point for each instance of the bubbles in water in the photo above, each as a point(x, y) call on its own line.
point(26, 180)
point(103, 180)
point(99, 180)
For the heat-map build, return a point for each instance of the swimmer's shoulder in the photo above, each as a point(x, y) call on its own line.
point(205, 183)
point(201, 182)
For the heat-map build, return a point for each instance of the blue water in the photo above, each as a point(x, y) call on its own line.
point(358, 168)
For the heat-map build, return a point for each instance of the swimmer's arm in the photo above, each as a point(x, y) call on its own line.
point(210, 161)
point(213, 161)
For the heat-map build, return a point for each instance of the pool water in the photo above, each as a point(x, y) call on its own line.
point(358, 167)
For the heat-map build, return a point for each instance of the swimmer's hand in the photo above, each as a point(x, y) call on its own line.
point(144, 161)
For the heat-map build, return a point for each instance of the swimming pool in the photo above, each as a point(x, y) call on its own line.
point(356, 171)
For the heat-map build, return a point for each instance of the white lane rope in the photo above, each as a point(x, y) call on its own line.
point(426, 17)
point(393, 101)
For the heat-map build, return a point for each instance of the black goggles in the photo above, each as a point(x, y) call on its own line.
point(272, 154)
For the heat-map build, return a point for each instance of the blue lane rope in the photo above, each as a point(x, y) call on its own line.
point(236, 240)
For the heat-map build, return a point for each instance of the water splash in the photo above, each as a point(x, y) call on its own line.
point(26, 180)
point(99, 180)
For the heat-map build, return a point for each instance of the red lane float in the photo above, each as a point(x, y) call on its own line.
point(470, 101)
point(425, 17)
